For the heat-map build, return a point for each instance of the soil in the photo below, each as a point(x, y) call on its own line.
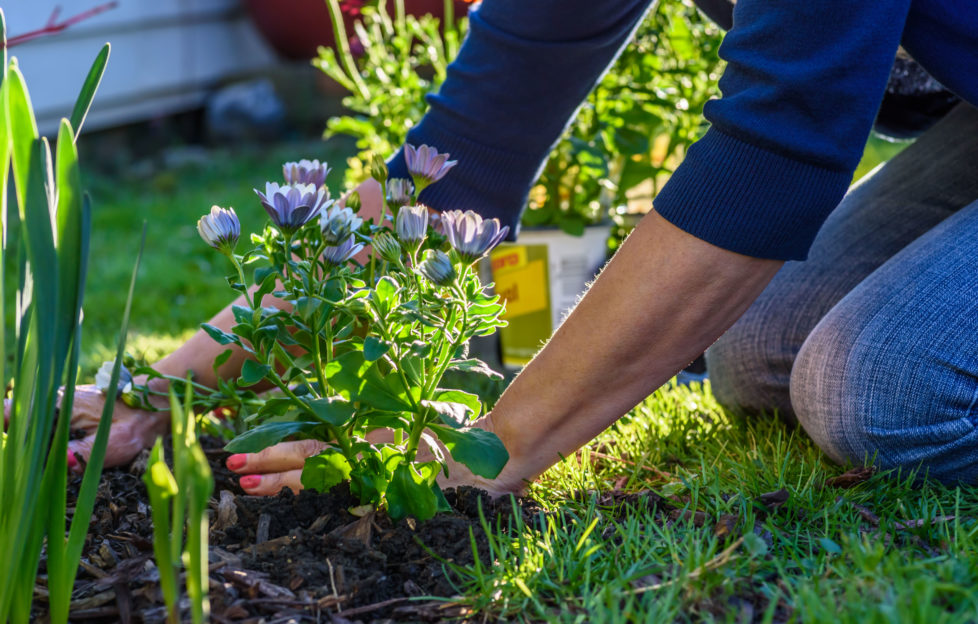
point(290, 558)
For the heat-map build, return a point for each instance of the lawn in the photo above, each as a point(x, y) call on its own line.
point(680, 512)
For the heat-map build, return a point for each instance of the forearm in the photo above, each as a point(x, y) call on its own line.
point(661, 301)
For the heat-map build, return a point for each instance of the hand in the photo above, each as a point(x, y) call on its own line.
point(280, 466)
point(132, 429)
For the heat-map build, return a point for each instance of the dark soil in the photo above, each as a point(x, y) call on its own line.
point(302, 558)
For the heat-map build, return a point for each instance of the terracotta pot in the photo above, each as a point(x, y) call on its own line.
point(295, 28)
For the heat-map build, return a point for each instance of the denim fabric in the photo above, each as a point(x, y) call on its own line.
point(872, 343)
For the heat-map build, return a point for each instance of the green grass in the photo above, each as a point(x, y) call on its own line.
point(601, 555)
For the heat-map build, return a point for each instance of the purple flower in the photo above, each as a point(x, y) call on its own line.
point(337, 255)
point(426, 165)
point(293, 205)
point(337, 223)
point(400, 192)
point(437, 267)
point(412, 226)
point(305, 172)
point(470, 235)
point(220, 229)
point(104, 377)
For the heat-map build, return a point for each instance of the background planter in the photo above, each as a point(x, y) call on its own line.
point(295, 28)
point(541, 278)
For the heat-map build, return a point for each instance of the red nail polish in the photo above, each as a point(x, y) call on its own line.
point(72, 461)
point(250, 481)
point(236, 462)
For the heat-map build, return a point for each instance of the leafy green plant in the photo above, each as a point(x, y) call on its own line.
point(635, 126)
point(45, 238)
point(178, 499)
point(403, 59)
point(360, 358)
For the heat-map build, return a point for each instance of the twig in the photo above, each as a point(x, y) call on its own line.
point(661, 473)
point(52, 26)
point(371, 607)
point(712, 564)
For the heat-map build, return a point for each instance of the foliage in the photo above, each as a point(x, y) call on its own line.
point(179, 499)
point(363, 348)
point(45, 243)
point(403, 59)
point(635, 126)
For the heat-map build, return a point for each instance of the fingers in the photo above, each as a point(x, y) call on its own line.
point(272, 483)
point(281, 457)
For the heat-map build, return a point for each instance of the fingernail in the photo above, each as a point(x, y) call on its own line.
point(236, 462)
point(72, 461)
point(250, 482)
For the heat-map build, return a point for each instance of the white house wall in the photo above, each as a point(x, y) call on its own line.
point(167, 55)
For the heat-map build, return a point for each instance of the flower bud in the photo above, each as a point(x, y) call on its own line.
point(378, 169)
point(387, 247)
point(400, 192)
point(220, 229)
point(412, 226)
point(437, 267)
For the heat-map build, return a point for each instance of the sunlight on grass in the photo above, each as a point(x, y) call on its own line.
point(683, 512)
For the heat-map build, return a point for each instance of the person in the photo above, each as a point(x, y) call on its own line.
point(869, 344)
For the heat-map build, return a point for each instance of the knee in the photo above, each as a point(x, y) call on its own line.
point(750, 365)
point(871, 400)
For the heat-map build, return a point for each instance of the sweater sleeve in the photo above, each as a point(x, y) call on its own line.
point(520, 75)
point(802, 86)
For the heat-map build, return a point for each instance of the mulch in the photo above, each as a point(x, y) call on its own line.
point(288, 558)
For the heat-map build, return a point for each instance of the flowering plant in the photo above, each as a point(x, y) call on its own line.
point(365, 344)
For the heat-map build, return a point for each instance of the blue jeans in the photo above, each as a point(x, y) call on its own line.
point(872, 343)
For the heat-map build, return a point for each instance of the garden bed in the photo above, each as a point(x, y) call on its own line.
point(287, 558)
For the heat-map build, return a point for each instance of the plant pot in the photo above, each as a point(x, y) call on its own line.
point(541, 279)
point(296, 28)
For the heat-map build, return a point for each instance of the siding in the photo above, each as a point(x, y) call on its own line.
point(167, 55)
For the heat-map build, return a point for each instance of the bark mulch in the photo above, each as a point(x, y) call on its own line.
point(290, 558)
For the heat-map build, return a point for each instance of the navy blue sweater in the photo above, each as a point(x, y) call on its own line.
point(804, 80)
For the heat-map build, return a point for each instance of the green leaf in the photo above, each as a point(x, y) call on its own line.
point(219, 335)
point(360, 380)
point(267, 434)
point(479, 450)
point(384, 296)
point(252, 372)
point(89, 87)
point(374, 348)
point(474, 365)
point(410, 494)
point(452, 414)
point(467, 399)
point(321, 472)
point(333, 411)
point(829, 546)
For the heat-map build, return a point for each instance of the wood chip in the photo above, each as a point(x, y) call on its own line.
point(227, 512)
point(916, 524)
point(264, 523)
point(360, 530)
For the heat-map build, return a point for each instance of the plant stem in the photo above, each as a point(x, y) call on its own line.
point(320, 373)
point(343, 49)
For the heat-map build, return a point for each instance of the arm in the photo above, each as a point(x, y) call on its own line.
point(662, 300)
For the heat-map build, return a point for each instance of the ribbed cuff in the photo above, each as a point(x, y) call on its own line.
point(750, 200)
point(492, 182)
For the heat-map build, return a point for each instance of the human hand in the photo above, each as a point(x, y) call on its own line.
point(132, 429)
point(266, 473)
